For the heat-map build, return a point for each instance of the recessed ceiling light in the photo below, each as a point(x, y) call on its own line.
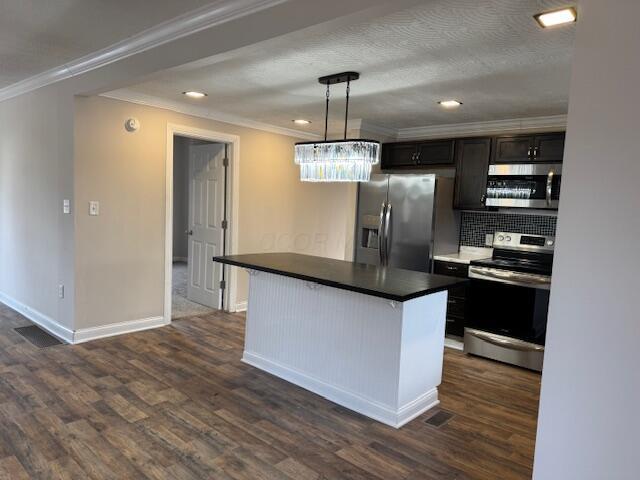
point(449, 103)
point(556, 17)
point(301, 121)
point(194, 94)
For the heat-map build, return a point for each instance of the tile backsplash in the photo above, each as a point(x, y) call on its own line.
point(476, 225)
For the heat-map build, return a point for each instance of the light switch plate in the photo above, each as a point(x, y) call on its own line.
point(66, 206)
point(94, 207)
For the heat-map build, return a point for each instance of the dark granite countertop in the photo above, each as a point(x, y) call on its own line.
point(390, 283)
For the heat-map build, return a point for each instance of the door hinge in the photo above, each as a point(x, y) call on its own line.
point(225, 224)
point(223, 284)
point(225, 162)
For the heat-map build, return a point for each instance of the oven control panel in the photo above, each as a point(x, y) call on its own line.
point(522, 241)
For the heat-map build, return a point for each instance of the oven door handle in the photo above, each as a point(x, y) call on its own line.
point(511, 278)
point(505, 342)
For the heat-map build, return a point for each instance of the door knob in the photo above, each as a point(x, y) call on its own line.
point(189, 232)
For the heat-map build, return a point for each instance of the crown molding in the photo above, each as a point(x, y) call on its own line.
point(191, 22)
point(530, 124)
point(130, 96)
point(453, 130)
point(363, 125)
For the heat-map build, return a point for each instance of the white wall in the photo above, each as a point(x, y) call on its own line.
point(589, 423)
point(37, 243)
point(120, 254)
point(36, 174)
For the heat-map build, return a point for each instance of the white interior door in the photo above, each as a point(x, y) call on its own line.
point(206, 204)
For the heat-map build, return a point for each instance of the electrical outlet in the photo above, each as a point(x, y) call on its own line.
point(61, 291)
point(66, 206)
point(94, 207)
point(488, 239)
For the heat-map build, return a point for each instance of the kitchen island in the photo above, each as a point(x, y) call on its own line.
point(365, 337)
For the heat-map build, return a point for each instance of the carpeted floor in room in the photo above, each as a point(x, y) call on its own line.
point(180, 305)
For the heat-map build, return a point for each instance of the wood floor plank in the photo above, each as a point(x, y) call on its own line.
point(11, 469)
point(177, 402)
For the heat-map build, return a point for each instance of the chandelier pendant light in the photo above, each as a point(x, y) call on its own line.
point(337, 160)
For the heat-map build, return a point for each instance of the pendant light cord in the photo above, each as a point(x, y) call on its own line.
point(326, 115)
point(346, 109)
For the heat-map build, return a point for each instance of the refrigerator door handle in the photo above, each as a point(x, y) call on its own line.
point(387, 234)
point(382, 246)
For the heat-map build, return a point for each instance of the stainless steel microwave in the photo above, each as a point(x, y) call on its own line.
point(529, 185)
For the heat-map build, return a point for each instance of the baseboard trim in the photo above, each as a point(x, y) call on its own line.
point(87, 334)
point(454, 343)
point(350, 400)
point(417, 407)
point(39, 318)
point(241, 307)
point(84, 334)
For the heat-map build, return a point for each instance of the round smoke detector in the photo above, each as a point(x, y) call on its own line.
point(132, 124)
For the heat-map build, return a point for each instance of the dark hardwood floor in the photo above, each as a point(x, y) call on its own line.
point(177, 403)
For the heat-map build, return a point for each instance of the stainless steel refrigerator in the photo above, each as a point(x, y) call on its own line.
point(403, 220)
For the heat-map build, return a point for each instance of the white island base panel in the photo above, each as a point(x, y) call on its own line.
point(380, 358)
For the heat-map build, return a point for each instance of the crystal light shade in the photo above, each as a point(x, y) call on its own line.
point(337, 161)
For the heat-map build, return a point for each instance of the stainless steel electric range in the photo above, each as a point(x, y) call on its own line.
point(508, 300)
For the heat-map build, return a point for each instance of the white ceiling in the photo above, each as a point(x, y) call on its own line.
point(489, 54)
point(37, 35)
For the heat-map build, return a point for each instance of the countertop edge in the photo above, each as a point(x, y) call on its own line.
point(445, 258)
point(338, 285)
point(465, 255)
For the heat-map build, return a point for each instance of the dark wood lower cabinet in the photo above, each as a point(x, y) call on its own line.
point(457, 295)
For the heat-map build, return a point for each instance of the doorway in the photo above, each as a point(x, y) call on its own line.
point(198, 223)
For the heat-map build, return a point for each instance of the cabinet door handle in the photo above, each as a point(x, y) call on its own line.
point(529, 152)
point(535, 152)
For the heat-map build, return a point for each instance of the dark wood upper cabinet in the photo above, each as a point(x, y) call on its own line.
point(399, 155)
point(436, 153)
point(513, 149)
point(417, 154)
point(549, 148)
point(472, 165)
point(544, 148)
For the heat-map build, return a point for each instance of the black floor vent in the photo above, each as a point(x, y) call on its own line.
point(438, 419)
point(38, 337)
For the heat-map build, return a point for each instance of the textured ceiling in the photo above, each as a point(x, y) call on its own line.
point(489, 54)
point(37, 35)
